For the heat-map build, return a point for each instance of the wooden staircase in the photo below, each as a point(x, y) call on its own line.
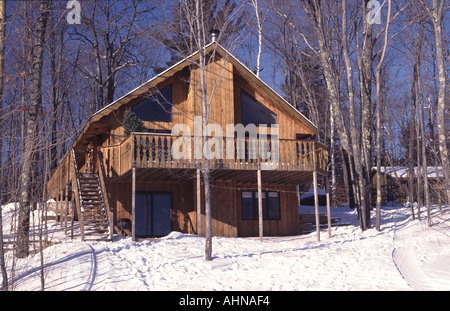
point(94, 215)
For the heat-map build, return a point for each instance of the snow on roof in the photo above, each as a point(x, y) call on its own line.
point(403, 171)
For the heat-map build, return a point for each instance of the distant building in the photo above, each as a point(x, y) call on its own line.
point(394, 183)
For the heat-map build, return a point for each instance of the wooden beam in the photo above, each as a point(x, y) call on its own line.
point(327, 188)
point(316, 204)
point(57, 207)
point(72, 214)
point(199, 205)
point(133, 202)
point(316, 192)
point(66, 210)
point(82, 225)
point(260, 210)
point(111, 225)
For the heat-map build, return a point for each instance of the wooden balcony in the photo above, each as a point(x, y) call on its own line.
point(281, 161)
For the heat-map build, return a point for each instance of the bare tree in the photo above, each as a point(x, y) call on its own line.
point(34, 110)
point(436, 13)
point(378, 115)
point(359, 149)
point(197, 37)
point(304, 84)
point(2, 76)
point(259, 30)
point(109, 32)
point(176, 32)
point(58, 84)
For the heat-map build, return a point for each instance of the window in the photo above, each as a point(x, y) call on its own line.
point(157, 107)
point(270, 205)
point(253, 112)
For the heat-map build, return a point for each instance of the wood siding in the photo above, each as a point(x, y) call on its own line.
point(182, 204)
point(289, 221)
point(225, 81)
point(225, 207)
point(289, 125)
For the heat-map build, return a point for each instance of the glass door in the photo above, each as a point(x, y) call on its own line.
point(153, 214)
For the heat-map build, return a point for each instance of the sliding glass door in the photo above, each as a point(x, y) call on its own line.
point(153, 214)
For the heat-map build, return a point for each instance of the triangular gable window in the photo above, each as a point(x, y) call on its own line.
point(157, 107)
point(253, 112)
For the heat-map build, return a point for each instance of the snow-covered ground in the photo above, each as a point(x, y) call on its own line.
point(405, 255)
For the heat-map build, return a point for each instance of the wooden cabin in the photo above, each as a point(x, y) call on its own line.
point(394, 183)
point(117, 179)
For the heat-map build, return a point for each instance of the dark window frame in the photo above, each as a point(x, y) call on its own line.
point(157, 107)
point(267, 206)
point(152, 194)
point(270, 117)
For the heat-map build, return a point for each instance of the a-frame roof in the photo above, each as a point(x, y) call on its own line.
point(213, 46)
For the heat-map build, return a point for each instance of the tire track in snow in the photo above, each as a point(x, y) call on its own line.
point(93, 271)
point(405, 256)
point(407, 265)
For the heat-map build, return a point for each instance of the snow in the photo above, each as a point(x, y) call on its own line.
point(403, 171)
point(405, 255)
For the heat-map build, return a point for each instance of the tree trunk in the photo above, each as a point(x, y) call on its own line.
point(259, 30)
point(418, 173)
point(424, 162)
point(412, 131)
point(37, 58)
point(437, 16)
point(365, 80)
point(378, 117)
point(55, 71)
point(355, 156)
point(2, 75)
point(421, 121)
point(205, 116)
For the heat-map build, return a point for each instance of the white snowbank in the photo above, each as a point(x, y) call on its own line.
point(405, 255)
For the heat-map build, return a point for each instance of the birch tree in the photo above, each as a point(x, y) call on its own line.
point(358, 147)
point(436, 14)
point(259, 29)
point(2, 76)
point(378, 115)
point(193, 37)
point(33, 112)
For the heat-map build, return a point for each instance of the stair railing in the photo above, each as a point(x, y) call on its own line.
point(106, 199)
point(78, 190)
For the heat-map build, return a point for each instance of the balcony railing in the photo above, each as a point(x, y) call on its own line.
point(178, 152)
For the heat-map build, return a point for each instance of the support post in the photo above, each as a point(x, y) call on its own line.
point(260, 210)
point(133, 202)
point(72, 214)
point(57, 207)
point(327, 188)
point(316, 204)
point(316, 192)
point(199, 205)
point(82, 225)
point(61, 206)
point(46, 223)
point(66, 210)
point(111, 225)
